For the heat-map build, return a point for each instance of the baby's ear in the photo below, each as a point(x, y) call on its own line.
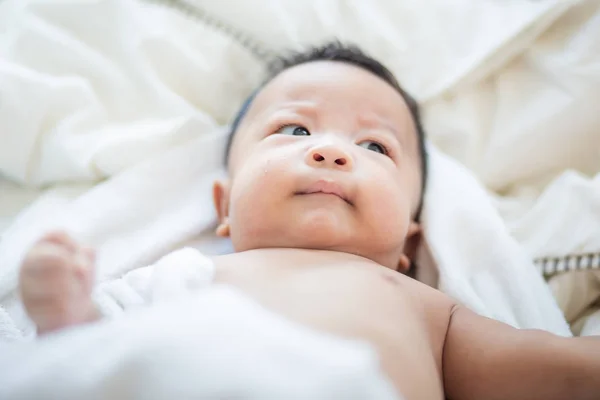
point(221, 202)
point(411, 245)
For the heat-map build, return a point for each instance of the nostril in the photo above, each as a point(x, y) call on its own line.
point(340, 161)
point(318, 157)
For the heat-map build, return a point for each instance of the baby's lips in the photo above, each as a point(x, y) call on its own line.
point(327, 186)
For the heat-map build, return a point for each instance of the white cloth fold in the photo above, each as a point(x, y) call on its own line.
point(131, 219)
point(531, 134)
point(177, 274)
point(478, 262)
point(217, 344)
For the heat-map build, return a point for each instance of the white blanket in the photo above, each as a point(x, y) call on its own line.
point(216, 344)
point(116, 119)
point(121, 117)
point(531, 133)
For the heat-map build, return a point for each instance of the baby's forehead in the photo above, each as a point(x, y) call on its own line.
point(332, 86)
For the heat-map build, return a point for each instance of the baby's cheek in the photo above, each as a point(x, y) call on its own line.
point(253, 205)
point(248, 223)
point(390, 213)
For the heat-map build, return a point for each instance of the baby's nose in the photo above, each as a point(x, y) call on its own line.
point(329, 156)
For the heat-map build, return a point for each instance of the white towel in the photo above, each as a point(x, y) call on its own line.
point(217, 344)
point(178, 274)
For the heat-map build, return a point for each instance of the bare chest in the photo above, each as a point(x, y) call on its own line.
point(404, 320)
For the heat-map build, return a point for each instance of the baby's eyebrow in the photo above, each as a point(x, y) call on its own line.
point(308, 108)
point(379, 123)
point(305, 109)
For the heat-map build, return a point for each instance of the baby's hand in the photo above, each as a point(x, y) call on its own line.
point(56, 282)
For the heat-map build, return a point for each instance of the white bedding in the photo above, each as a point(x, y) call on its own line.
point(216, 344)
point(13, 199)
point(64, 124)
point(119, 121)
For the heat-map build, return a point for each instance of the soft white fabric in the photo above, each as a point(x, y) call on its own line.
point(132, 219)
point(433, 46)
point(531, 134)
point(135, 99)
point(216, 344)
point(83, 101)
point(116, 119)
point(13, 199)
point(177, 274)
point(479, 263)
point(135, 96)
point(563, 219)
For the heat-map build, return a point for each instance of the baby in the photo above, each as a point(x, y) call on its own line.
point(326, 176)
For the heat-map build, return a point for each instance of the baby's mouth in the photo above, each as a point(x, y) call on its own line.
point(325, 187)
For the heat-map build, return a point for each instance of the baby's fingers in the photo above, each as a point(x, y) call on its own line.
point(85, 261)
point(90, 254)
point(47, 259)
point(60, 238)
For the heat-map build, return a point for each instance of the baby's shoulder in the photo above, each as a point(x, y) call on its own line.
point(435, 306)
point(418, 290)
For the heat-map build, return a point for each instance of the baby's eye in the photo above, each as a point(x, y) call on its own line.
point(293, 130)
point(374, 146)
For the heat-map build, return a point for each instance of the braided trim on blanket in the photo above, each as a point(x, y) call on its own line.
point(200, 14)
point(571, 262)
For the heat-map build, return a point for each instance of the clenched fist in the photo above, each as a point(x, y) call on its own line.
point(56, 280)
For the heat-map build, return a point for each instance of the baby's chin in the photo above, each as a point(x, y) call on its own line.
point(321, 228)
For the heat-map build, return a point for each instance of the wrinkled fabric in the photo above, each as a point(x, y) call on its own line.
point(117, 123)
point(216, 344)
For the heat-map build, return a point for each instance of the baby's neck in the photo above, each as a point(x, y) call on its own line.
point(299, 255)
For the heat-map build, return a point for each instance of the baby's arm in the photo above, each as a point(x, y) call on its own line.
point(486, 359)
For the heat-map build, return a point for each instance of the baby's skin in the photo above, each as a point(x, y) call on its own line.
point(324, 184)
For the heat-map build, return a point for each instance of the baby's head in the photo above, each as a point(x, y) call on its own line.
point(328, 154)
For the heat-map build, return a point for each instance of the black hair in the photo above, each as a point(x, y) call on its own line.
point(350, 54)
